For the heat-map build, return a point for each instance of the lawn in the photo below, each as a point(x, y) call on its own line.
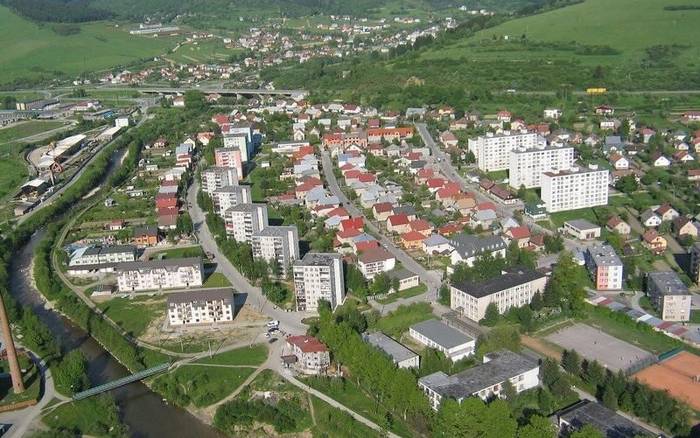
point(13, 169)
point(408, 293)
point(95, 416)
point(31, 50)
point(253, 356)
point(30, 377)
point(398, 321)
point(588, 214)
point(26, 129)
point(333, 422)
point(217, 279)
point(134, 315)
point(178, 253)
point(200, 385)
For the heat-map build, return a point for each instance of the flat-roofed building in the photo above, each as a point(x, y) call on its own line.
point(575, 188)
point(402, 356)
point(581, 229)
point(605, 267)
point(606, 421)
point(528, 164)
point(278, 245)
point(202, 307)
point(216, 177)
point(319, 276)
point(243, 220)
point(492, 152)
point(669, 295)
point(438, 335)
point(229, 196)
point(514, 288)
point(238, 141)
point(159, 274)
point(95, 255)
point(231, 158)
point(484, 381)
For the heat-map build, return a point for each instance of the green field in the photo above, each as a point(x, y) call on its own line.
point(254, 355)
point(133, 315)
point(210, 51)
point(26, 129)
point(31, 50)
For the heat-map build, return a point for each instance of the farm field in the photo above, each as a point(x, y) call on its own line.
point(26, 129)
point(31, 50)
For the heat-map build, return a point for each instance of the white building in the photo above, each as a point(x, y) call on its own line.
point(308, 354)
point(277, 244)
point(605, 267)
point(230, 196)
point(243, 220)
point(319, 276)
point(511, 289)
point(159, 274)
point(216, 177)
point(485, 380)
point(492, 152)
point(97, 255)
point(528, 165)
point(200, 307)
point(238, 141)
point(374, 261)
point(438, 335)
point(467, 247)
point(669, 295)
point(575, 188)
point(401, 356)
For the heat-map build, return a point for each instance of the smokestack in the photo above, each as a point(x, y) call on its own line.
point(15, 372)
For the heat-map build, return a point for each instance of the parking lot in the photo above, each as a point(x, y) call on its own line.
point(594, 344)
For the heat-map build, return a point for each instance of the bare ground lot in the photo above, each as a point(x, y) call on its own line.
point(677, 375)
point(591, 343)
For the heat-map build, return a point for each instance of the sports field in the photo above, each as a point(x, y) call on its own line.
point(679, 375)
point(594, 344)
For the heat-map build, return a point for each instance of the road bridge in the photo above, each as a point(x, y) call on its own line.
point(226, 91)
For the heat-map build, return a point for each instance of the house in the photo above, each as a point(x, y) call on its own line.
point(146, 236)
point(382, 210)
point(694, 175)
point(604, 110)
point(448, 139)
point(520, 235)
point(552, 113)
point(159, 274)
point(606, 422)
point(660, 161)
point(421, 226)
point(605, 267)
point(406, 279)
point(650, 219)
point(399, 354)
point(374, 261)
point(398, 223)
point(619, 162)
point(667, 213)
point(581, 229)
point(439, 336)
point(437, 244)
point(683, 226)
point(412, 240)
point(484, 381)
point(311, 355)
point(617, 225)
point(654, 241)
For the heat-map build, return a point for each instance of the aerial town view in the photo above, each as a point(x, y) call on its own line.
point(350, 218)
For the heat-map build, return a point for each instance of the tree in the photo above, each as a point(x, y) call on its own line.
point(609, 398)
point(195, 100)
point(508, 391)
point(553, 244)
point(593, 372)
point(9, 102)
point(537, 427)
point(587, 431)
point(491, 316)
point(71, 372)
point(395, 284)
point(571, 362)
point(536, 303)
point(627, 184)
point(444, 295)
point(381, 284)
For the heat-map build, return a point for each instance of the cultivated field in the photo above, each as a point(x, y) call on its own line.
point(679, 375)
point(592, 343)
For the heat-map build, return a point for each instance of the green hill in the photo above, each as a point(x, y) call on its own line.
point(31, 50)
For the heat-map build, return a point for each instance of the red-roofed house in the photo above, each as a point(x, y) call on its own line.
point(382, 210)
point(449, 229)
point(364, 245)
point(654, 241)
point(398, 223)
point(486, 206)
point(520, 234)
point(424, 175)
point(346, 236)
point(412, 240)
point(422, 226)
point(448, 195)
point(435, 184)
point(167, 218)
point(374, 261)
point(357, 222)
point(312, 356)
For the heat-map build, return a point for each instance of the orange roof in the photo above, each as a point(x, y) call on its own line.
point(307, 344)
point(412, 236)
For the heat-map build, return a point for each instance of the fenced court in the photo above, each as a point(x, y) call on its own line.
point(594, 344)
point(679, 375)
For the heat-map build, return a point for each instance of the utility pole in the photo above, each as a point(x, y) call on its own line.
point(15, 371)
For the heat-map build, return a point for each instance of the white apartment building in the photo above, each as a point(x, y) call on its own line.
point(243, 220)
point(319, 276)
point(277, 244)
point(97, 255)
point(492, 151)
point(200, 307)
point(230, 196)
point(575, 188)
point(511, 289)
point(485, 380)
point(528, 164)
point(605, 267)
point(438, 335)
point(159, 274)
point(240, 141)
point(216, 177)
point(669, 295)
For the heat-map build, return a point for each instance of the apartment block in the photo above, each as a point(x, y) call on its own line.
point(669, 295)
point(319, 276)
point(484, 381)
point(159, 274)
point(575, 188)
point(605, 267)
point(229, 157)
point(243, 220)
point(97, 255)
point(216, 177)
point(695, 262)
point(528, 164)
point(277, 244)
point(492, 152)
point(238, 141)
point(203, 307)
point(307, 354)
point(514, 288)
point(230, 196)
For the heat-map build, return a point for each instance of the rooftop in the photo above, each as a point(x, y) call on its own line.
point(318, 259)
point(165, 263)
point(604, 255)
point(667, 283)
point(581, 224)
point(441, 333)
point(507, 280)
point(225, 294)
point(608, 422)
point(394, 349)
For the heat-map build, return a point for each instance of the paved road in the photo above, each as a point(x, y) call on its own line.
point(289, 321)
point(432, 279)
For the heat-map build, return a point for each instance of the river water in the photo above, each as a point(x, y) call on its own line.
point(142, 410)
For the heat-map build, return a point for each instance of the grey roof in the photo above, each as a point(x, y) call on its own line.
point(164, 263)
point(225, 294)
point(401, 274)
point(397, 351)
point(608, 422)
point(418, 164)
point(503, 364)
point(317, 259)
point(469, 245)
point(148, 230)
point(117, 249)
point(514, 277)
point(581, 224)
point(407, 209)
point(279, 231)
point(667, 283)
point(247, 207)
point(613, 140)
point(442, 334)
point(232, 189)
point(604, 255)
point(646, 214)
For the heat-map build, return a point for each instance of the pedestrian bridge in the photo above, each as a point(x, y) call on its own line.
point(123, 381)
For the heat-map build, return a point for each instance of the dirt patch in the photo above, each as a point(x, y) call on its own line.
point(541, 347)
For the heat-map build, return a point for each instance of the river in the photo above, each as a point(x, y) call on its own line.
point(142, 410)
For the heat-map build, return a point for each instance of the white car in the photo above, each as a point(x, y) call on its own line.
point(273, 323)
